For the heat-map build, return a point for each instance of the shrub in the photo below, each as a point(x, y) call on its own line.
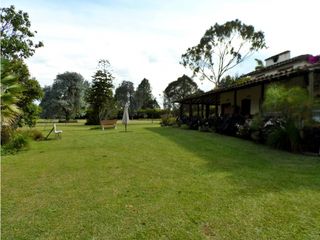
point(292, 106)
point(311, 139)
point(286, 136)
point(34, 134)
point(291, 103)
point(244, 130)
point(167, 120)
point(17, 142)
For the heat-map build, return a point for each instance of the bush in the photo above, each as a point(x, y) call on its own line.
point(311, 139)
point(149, 113)
point(244, 130)
point(293, 108)
point(17, 142)
point(167, 120)
point(34, 134)
point(286, 136)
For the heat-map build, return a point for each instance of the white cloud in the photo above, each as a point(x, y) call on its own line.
point(146, 38)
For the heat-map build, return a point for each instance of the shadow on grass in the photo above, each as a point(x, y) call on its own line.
point(251, 167)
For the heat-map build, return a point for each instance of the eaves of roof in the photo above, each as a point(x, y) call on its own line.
point(197, 98)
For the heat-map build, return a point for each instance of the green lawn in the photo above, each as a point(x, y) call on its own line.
point(157, 183)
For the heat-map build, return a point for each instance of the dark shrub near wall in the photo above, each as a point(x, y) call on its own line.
point(271, 130)
point(311, 139)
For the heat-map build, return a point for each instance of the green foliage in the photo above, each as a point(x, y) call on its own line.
point(30, 115)
point(48, 104)
point(18, 91)
point(30, 91)
point(18, 142)
point(150, 113)
point(121, 94)
point(168, 120)
point(100, 96)
point(286, 136)
point(143, 98)
point(33, 133)
point(293, 107)
point(179, 89)
point(291, 103)
point(222, 48)
point(16, 36)
point(64, 97)
point(229, 81)
point(10, 94)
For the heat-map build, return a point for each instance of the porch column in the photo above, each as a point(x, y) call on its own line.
point(261, 97)
point(311, 84)
point(181, 110)
point(235, 101)
point(207, 111)
point(190, 110)
point(198, 110)
point(216, 112)
point(217, 100)
point(202, 110)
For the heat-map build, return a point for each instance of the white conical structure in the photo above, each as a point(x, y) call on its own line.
point(125, 117)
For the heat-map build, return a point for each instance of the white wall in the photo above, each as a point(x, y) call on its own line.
point(253, 94)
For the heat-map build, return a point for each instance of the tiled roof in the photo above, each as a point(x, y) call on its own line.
point(277, 65)
point(253, 82)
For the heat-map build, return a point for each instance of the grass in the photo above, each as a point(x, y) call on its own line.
point(157, 183)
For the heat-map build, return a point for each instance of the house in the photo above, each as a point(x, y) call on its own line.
point(246, 98)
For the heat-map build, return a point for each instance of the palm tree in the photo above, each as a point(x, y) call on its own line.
point(10, 92)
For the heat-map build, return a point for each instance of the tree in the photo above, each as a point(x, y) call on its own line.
point(100, 96)
point(31, 91)
point(228, 80)
point(222, 48)
point(17, 44)
point(179, 89)
point(143, 96)
point(49, 104)
point(293, 104)
point(16, 36)
point(121, 93)
point(64, 97)
point(10, 94)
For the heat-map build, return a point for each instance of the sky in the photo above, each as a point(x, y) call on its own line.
point(146, 38)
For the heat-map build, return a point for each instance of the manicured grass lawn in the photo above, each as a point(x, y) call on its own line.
point(158, 183)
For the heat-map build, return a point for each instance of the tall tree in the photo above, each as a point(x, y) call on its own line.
point(65, 95)
point(100, 96)
point(16, 41)
point(143, 96)
point(121, 95)
point(222, 48)
point(177, 90)
point(16, 37)
point(49, 104)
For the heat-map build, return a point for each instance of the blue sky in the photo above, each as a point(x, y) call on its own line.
point(145, 38)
